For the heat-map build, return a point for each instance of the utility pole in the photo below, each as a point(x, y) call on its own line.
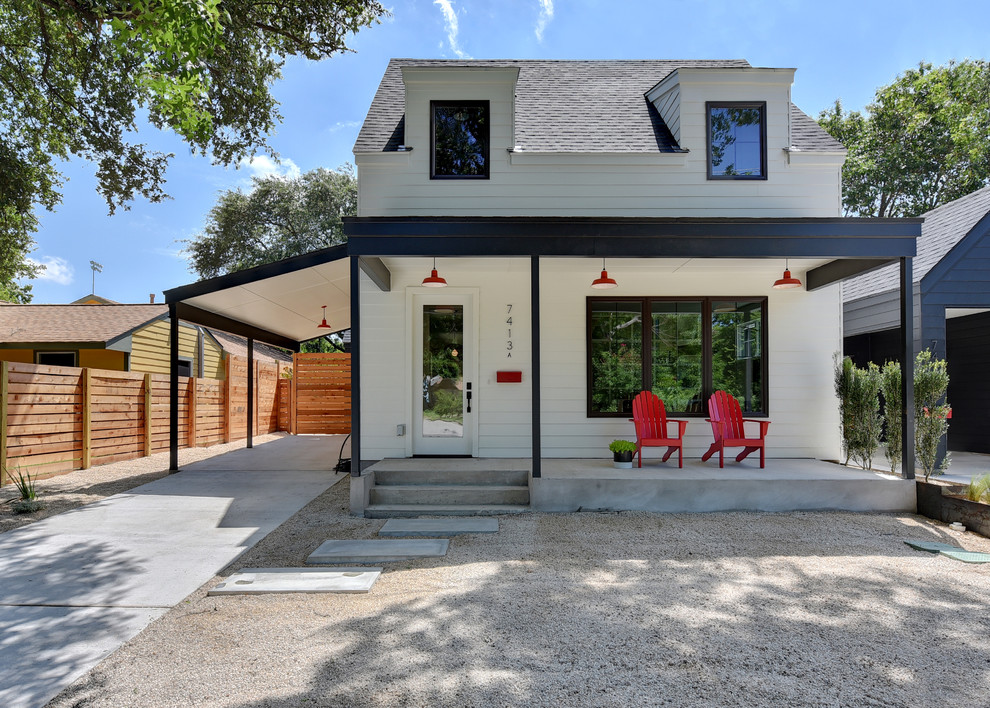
point(97, 268)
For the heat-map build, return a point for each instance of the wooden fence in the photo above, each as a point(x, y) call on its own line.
point(320, 394)
point(58, 419)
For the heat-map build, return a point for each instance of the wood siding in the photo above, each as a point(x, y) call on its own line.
point(321, 395)
point(150, 350)
point(968, 348)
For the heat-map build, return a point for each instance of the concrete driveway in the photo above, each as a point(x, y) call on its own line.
point(75, 587)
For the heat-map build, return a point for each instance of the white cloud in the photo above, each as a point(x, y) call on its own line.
point(58, 270)
point(450, 21)
point(343, 125)
point(546, 14)
point(263, 166)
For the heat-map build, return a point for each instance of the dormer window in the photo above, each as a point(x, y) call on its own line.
point(460, 132)
point(737, 140)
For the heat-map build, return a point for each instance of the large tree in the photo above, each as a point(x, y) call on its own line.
point(278, 218)
point(74, 75)
point(924, 141)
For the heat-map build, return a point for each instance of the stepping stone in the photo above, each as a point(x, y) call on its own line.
point(377, 550)
point(264, 581)
point(932, 546)
point(967, 556)
point(437, 527)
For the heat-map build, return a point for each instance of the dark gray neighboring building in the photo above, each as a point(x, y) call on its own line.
point(951, 311)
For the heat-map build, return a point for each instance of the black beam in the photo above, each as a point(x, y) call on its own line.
point(189, 313)
point(379, 273)
point(250, 394)
point(907, 368)
point(173, 389)
point(841, 269)
point(639, 246)
point(534, 299)
point(355, 368)
point(250, 275)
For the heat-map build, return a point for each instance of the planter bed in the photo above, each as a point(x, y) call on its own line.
point(937, 501)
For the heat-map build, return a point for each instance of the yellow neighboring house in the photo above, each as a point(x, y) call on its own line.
point(105, 336)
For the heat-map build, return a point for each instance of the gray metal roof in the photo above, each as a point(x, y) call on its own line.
point(944, 227)
point(571, 106)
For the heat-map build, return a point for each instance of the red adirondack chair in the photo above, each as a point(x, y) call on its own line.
point(729, 429)
point(651, 420)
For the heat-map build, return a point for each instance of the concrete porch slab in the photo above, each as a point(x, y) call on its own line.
point(411, 528)
point(364, 551)
point(265, 581)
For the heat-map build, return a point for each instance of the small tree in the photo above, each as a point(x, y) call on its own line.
point(867, 422)
point(845, 374)
point(893, 407)
point(931, 411)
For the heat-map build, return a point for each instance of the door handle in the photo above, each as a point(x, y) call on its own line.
point(468, 397)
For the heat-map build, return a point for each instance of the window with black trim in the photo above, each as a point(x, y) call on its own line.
point(56, 358)
point(737, 140)
point(689, 348)
point(460, 135)
point(185, 366)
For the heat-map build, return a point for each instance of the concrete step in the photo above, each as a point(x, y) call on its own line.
point(408, 511)
point(495, 478)
point(449, 494)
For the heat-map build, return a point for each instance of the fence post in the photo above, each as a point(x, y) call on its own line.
point(87, 419)
point(257, 398)
point(292, 393)
point(191, 408)
point(4, 391)
point(228, 412)
point(147, 415)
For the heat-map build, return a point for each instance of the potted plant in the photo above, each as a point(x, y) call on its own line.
point(622, 453)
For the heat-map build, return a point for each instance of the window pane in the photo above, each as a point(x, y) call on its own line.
point(443, 381)
point(616, 355)
point(736, 147)
point(737, 351)
point(460, 140)
point(677, 355)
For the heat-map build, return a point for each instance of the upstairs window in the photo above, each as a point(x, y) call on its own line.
point(737, 141)
point(460, 131)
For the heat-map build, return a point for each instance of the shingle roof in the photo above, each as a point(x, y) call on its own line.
point(570, 106)
point(944, 227)
point(72, 323)
point(237, 346)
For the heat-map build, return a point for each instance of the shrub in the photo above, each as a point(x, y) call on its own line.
point(859, 407)
point(893, 407)
point(622, 446)
point(931, 381)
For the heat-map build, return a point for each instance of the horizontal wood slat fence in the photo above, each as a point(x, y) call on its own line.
point(57, 419)
point(320, 394)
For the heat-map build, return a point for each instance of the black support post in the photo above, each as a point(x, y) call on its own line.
point(907, 368)
point(355, 368)
point(173, 389)
point(534, 300)
point(250, 393)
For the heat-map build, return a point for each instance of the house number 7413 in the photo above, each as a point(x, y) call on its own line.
point(508, 332)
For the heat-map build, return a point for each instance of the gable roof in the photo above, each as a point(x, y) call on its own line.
point(944, 228)
point(73, 323)
point(237, 346)
point(571, 106)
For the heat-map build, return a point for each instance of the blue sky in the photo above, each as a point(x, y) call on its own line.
point(841, 49)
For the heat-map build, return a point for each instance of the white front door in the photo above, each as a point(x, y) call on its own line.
point(445, 365)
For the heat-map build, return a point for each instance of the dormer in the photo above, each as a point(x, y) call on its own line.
point(739, 118)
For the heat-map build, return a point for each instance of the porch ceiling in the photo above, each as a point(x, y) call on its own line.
point(280, 303)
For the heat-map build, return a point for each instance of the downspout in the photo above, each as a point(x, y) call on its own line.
point(534, 300)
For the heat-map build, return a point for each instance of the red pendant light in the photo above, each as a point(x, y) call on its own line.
point(323, 324)
point(434, 280)
point(787, 282)
point(603, 282)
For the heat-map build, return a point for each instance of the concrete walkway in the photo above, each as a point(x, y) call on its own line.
point(75, 587)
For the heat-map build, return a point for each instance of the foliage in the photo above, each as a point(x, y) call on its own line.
point(76, 76)
point(859, 406)
point(616, 359)
point(445, 404)
point(24, 484)
point(978, 489)
point(278, 218)
point(923, 142)
point(931, 381)
point(893, 408)
point(323, 345)
point(622, 446)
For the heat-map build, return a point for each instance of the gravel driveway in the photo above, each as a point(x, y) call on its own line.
point(591, 609)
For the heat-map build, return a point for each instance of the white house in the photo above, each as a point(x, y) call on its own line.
point(694, 184)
